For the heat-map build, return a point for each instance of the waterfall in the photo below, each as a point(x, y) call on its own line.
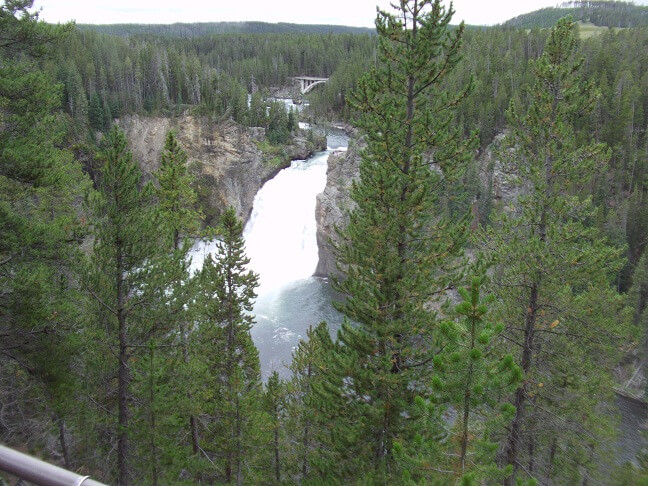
point(280, 236)
point(280, 240)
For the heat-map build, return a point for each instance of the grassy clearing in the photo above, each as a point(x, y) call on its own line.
point(588, 30)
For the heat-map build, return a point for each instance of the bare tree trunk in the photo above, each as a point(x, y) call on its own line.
point(514, 438)
point(64, 447)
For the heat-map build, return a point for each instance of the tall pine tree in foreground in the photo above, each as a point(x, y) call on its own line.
point(129, 274)
point(231, 391)
point(552, 277)
point(397, 253)
point(40, 234)
point(177, 200)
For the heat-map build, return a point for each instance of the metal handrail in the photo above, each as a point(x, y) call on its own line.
point(40, 472)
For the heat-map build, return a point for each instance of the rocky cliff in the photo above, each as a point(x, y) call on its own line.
point(497, 179)
point(230, 162)
point(333, 203)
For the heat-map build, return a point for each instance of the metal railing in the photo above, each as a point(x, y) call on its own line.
point(40, 472)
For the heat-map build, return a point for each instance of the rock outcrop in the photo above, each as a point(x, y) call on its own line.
point(226, 158)
point(334, 203)
point(499, 179)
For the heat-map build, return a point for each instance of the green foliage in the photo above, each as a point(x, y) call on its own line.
point(475, 376)
point(175, 193)
point(391, 262)
point(40, 232)
point(607, 13)
point(554, 271)
point(309, 409)
point(202, 29)
point(230, 390)
point(472, 374)
point(129, 275)
point(274, 404)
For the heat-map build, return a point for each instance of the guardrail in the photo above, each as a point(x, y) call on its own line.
point(40, 472)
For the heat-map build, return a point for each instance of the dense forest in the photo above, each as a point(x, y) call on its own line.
point(603, 13)
point(211, 28)
point(482, 339)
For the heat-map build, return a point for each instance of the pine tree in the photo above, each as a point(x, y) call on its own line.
point(40, 235)
point(177, 200)
point(552, 275)
point(274, 405)
point(96, 112)
point(396, 254)
point(128, 274)
point(475, 375)
point(176, 196)
point(232, 362)
point(308, 421)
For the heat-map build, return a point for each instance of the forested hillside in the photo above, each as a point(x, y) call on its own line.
point(211, 28)
point(483, 336)
point(603, 13)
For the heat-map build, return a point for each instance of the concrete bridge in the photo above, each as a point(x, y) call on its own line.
point(307, 83)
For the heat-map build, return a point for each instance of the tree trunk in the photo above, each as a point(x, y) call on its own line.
point(239, 445)
point(306, 439)
point(64, 447)
point(154, 471)
point(276, 449)
point(467, 395)
point(123, 379)
point(514, 438)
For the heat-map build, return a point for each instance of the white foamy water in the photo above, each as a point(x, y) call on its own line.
point(280, 236)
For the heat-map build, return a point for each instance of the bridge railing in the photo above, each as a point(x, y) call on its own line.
point(40, 472)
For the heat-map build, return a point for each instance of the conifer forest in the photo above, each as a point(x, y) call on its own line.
point(491, 273)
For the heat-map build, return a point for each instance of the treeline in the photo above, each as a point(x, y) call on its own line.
point(211, 28)
point(153, 74)
point(603, 13)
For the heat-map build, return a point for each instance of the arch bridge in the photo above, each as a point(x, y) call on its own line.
point(307, 83)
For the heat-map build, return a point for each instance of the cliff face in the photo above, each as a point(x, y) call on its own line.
point(497, 179)
point(333, 203)
point(224, 157)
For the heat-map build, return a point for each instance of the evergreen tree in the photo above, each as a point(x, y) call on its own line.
point(395, 253)
point(40, 234)
point(308, 419)
point(274, 405)
point(128, 275)
point(233, 383)
point(96, 112)
point(177, 200)
point(552, 276)
point(176, 196)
